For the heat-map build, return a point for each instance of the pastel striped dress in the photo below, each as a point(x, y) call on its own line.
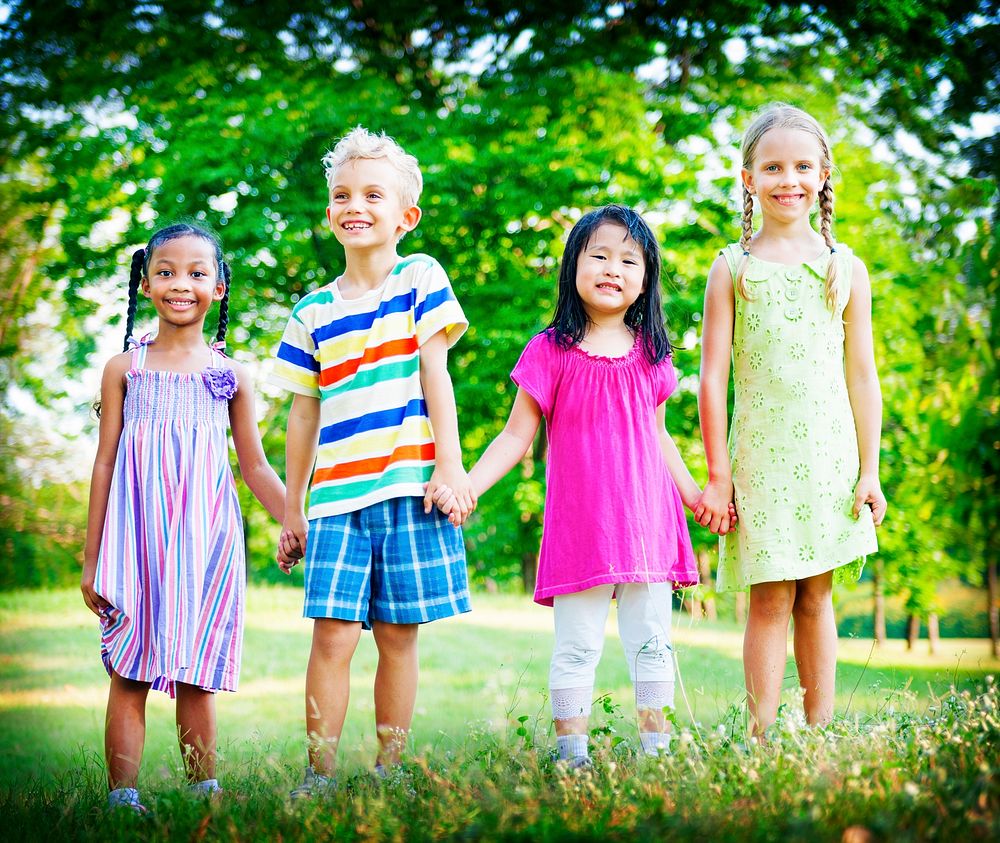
point(172, 560)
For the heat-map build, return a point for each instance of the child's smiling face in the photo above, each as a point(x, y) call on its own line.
point(365, 210)
point(787, 173)
point(610, 272)
point(182, 280)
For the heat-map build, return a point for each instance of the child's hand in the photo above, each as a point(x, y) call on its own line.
point(289, 551)
point(715, 508)
point(446, 501)
point(292, 541)
point(869, 491)
point(94, 601)
point(452, 493)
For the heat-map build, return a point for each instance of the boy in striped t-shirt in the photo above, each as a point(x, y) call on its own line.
point(373, 418)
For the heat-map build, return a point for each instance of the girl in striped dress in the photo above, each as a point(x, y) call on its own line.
point(164, 564)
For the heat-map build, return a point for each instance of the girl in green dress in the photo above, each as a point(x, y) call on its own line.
point(791, 308)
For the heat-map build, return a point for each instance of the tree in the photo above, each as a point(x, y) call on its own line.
point(120, 117)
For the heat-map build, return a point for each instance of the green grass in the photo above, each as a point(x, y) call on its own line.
point(916, 741)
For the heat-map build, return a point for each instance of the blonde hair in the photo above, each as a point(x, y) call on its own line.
point(782, 116)
point(359, 144)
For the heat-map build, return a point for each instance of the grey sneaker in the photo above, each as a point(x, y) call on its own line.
point(314, 784)
point(126, 797)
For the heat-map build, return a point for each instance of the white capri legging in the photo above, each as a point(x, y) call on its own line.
point(644, 626)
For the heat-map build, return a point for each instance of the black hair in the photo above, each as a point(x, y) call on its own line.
point(644, 316)
point(140, 267)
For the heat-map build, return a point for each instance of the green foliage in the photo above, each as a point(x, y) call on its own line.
point(119, 118)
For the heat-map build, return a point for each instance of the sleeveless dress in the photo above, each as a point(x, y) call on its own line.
point(171, 560)
point(792, 441)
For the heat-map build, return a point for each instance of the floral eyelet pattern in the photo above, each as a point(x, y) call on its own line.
point(794, 445)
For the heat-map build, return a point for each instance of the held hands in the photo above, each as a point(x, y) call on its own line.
point(292, 542)
point(868, 491)
point(715, 508)
point(451, 492)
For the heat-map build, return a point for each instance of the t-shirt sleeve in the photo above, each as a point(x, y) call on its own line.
point(665, 380)
point(436, 307)
point(295, 366)
point(535, 371)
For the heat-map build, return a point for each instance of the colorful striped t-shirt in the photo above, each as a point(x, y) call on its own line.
point(361, 358)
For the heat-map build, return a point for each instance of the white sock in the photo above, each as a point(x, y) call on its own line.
point(653, 743)
point(571, 746)
point(205, 786)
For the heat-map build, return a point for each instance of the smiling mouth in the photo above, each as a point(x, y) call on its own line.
point(606, 286)
point(356, 226)
point(179, 302)
point(786, 199)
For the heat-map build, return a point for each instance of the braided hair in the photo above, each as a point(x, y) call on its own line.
point(644, 316)
point(140, 268)
point(781, 116)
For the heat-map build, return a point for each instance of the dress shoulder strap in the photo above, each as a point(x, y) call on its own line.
point(139, 349)
point(733, 255)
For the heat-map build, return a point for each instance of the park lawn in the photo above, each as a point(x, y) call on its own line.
point(482, 674)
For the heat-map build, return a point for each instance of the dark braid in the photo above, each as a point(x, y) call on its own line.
point(135, 276)
point(220, 333)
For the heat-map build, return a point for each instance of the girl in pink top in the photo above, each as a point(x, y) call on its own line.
point(614, 523)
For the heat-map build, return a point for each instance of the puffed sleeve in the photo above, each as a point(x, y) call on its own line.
point(536, 371)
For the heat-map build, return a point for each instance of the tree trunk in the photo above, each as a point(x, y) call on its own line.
point(692, 605)
point(912, 630)
point(709, 607)
point(994, 606)
point(878, 589)
point(933, 635)
point(529, 567)
point(741, 607)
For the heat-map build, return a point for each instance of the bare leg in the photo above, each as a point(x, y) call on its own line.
point(196, 731)
point(652, 720)
point(815, 645)
point(765, 647)
point(395, 687)
point(328, 689)
point(571, 726)
point(125, 730)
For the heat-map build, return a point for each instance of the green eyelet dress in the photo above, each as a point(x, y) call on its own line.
point(792, 441)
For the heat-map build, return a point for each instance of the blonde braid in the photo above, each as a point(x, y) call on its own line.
point(747, 223)
point(826, 229)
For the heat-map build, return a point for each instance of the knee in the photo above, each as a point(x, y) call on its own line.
point(773, 605)
point(393, 639)
point(334, 640)
point(652, 661)
point(812, 604)
point(573, 665)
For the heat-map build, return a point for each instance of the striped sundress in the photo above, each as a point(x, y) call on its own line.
point(172, 560)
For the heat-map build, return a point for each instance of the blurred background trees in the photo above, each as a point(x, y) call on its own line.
point(120, 117)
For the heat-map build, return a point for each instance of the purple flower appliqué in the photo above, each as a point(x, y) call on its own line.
point(220, 382)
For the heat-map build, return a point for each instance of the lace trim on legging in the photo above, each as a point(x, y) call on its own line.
point(571, 702)
point(654, 696)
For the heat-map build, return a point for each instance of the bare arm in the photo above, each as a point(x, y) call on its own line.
point(510, 445)
point(300, 455)
point(112, 406)
point(256, 470)
point(690, 493)
point(864, 391)
point(440, 397)
point(712, 510)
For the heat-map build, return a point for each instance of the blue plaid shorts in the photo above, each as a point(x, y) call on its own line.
point(386, 562)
